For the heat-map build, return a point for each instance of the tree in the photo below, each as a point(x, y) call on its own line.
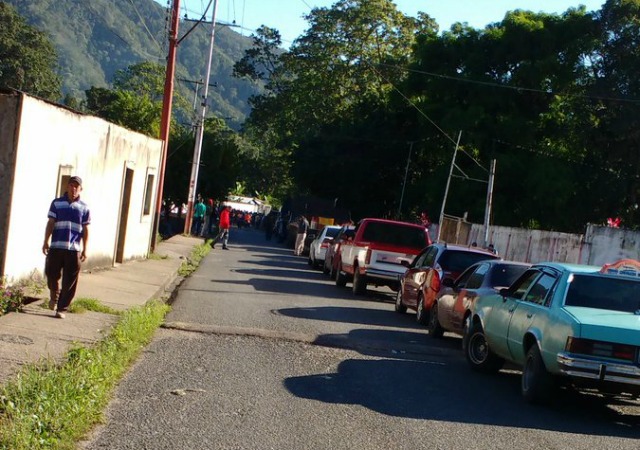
point(28, 60)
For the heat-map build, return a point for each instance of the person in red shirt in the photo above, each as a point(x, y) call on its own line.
point(225, 224)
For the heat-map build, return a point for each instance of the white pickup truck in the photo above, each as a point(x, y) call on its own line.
point(375, 253)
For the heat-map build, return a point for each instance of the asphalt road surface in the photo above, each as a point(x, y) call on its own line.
point(262, 352)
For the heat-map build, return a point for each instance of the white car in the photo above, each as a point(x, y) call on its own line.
point(318, 248)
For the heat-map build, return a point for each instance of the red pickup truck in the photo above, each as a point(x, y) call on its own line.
point(375, 253)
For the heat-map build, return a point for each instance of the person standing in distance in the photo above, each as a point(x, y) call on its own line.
point(67, 227)
point(225, 224)
point(303, 226)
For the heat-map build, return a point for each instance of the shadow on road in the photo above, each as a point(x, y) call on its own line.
point(422, 390)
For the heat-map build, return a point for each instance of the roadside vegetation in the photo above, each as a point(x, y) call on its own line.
point(193, 261)
point(53, 405)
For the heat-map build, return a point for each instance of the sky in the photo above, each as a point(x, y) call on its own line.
point(286, 15)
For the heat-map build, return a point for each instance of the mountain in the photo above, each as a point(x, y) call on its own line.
point(95, 38)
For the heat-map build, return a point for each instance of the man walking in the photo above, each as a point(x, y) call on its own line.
point(225, 224)
point(68, 225)
point(303, 226)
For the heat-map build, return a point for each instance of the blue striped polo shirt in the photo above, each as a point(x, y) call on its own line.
point(70, 219)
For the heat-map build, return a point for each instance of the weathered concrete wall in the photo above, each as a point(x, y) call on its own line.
point(9, 112)
point(53, 142)
point(605, 245)
point(532, 246)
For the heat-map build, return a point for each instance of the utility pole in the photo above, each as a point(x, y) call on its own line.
point(446, 191)
point(193, 182)
point(404, 183)
point(487, 209)
point(165, 121)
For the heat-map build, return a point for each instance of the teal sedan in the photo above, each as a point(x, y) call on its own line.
point(563, 324)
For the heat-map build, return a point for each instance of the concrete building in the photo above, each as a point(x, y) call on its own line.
point(41, 146)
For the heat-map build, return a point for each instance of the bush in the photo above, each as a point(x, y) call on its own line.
point(11, 298)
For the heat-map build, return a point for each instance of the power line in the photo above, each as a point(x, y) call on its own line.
point(144, 24)
point(514, 88)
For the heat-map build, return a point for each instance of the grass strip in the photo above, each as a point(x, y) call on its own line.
point(193, 261)
point(84, 304)
point(52, 406)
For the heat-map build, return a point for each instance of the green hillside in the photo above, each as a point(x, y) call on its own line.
point(98, 37)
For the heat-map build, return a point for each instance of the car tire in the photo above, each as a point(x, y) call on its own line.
point(538, 385)
point(341, 277)
point(421, 315)
point(399, 306)
point(325, 268)
point(434, 327)
point(359, 282)
point(477, 352)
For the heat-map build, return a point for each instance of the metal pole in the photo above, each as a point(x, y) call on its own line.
point(446, 191)
point(200, 129)
point(165, 120)
point(487, 210)
point(404, 183)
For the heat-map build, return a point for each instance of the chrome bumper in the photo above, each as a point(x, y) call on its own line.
point(601, 371)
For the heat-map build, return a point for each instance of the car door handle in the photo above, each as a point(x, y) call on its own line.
point(529, 315)
point(511, 310)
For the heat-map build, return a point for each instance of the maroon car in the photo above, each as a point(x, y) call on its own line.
point(420, 284)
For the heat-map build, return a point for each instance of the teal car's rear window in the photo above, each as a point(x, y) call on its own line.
point(604, 292)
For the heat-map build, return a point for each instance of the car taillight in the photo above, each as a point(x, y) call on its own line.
point(600, 348)
point(435, 281)
point(367, 258)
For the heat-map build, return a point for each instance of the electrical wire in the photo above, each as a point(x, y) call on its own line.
point(144, 24)
point(204, 15)
point(514, 88)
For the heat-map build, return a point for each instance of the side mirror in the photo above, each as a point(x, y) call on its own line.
point(405, 263)
point(504, 292)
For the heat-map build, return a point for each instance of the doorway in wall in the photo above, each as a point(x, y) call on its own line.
point(124, 214)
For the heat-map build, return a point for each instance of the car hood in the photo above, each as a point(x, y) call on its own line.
point(604, 325)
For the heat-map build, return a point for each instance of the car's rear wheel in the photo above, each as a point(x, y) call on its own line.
point(434, 327)
point(359, 282)
point(341, 277)
point(399, 306)
point(325, 267)
point(477, 351)
point(421, 315)
point(538, 385)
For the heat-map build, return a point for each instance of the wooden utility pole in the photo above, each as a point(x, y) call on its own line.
point(165, 121)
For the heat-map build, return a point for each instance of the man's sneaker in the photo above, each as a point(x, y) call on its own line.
point(60, 315)
point(225, 248)
point(52, 304)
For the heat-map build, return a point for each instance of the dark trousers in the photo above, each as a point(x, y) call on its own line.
point(63, 264)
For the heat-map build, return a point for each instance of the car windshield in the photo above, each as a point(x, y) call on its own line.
point(604, 292)
point(331, 232)
point(395, 234)
point(457, 261)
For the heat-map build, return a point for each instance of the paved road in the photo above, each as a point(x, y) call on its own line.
point(261, 352)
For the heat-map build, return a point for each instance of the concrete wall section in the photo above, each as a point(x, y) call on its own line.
point(531, 246)
point(53, 142)
point(606, 244)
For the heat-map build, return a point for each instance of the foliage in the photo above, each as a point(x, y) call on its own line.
point(81, 305)
point(27, 57)
point(11, 298)
point(191, 264)
point(53, 406)
point(95, 39)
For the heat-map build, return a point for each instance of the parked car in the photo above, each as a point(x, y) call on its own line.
point(455, 299)
point(345, 232)
point(566, 323)
point(420, 283)
point(375, 253)
point(318, 247)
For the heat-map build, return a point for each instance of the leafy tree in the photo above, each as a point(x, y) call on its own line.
point(28, 60)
